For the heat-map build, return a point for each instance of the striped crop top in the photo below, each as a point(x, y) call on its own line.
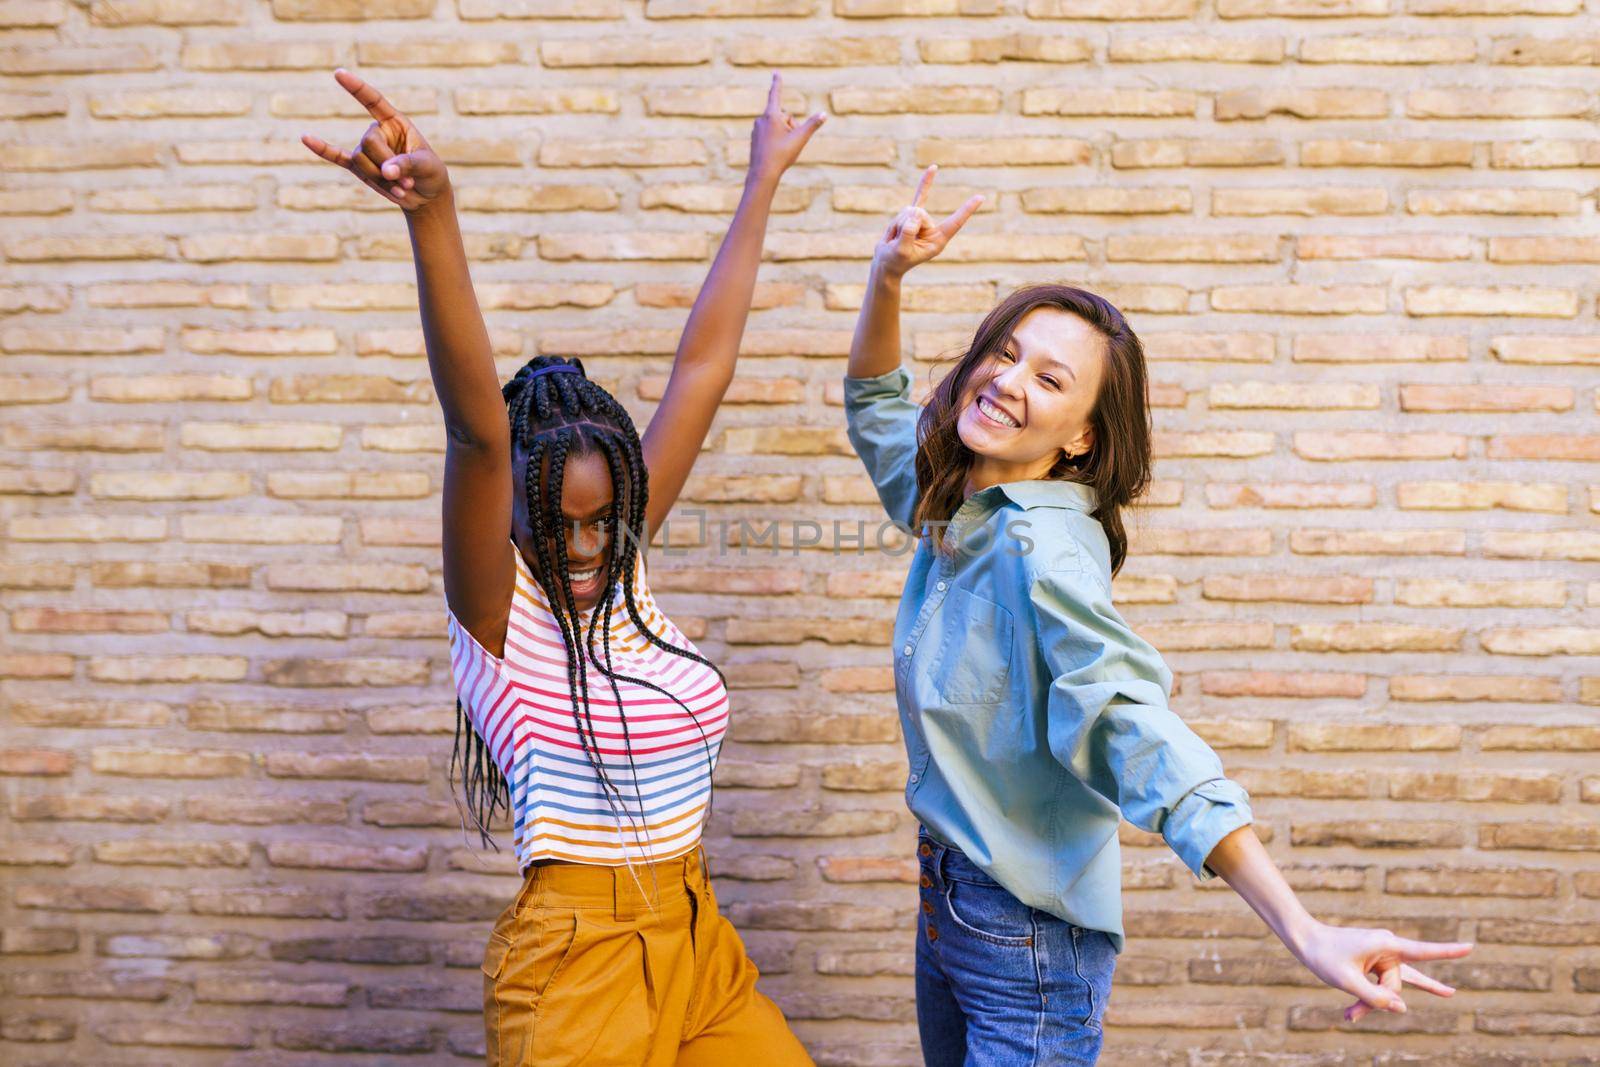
point(521, 705)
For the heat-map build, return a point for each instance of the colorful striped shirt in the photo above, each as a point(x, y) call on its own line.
point(521, 706)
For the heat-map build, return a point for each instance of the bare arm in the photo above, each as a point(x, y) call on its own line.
point(1341, 956)
point(703, 366)
point(394, 160)
point(912, 238)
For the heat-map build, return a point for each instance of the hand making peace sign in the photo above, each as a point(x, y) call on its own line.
point(913, 237)
point(392, 157)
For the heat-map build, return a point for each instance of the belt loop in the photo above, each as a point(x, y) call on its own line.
point(623, 894)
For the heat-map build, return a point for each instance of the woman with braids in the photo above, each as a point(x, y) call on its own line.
point(587, 713)
point(1033, 716)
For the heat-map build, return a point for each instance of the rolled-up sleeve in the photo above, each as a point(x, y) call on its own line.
point(1109, 722)
point(881, 421)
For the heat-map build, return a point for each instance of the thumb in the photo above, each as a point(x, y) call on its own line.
point(396, 167)
point(811, 125)
point(1373, 995)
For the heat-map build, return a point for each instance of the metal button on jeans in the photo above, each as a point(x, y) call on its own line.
point(924, 850)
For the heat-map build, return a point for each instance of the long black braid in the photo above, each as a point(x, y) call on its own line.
point(553, 415)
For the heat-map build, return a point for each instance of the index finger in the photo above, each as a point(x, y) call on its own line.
point(368, 97)
point(959, 217)
point(774, 94)
point(1431, 950)
point(924, 185)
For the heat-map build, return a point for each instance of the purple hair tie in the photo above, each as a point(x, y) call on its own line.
point(556, 368)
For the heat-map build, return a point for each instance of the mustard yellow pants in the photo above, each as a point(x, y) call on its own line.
point(584, 968)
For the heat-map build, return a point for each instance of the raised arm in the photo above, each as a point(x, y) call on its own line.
point(394, 160)
point(911, 238)
point(703, 366)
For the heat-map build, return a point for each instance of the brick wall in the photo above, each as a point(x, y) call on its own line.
point(1356, 236)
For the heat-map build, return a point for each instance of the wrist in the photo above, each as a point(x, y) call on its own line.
point(1297, 930)
point(761, 180)
point(885, 279)
point(442, 205)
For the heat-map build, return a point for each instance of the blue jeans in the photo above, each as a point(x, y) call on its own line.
point(1001, 984)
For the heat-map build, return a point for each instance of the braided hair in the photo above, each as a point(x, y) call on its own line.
point(553, 417)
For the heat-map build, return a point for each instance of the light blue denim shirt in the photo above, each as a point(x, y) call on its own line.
point(1033, 716)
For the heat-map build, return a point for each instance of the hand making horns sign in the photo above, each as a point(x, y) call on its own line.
point(393, 159)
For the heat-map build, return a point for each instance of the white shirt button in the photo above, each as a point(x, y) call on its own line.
point(913, 779)
point(940, 587)
point(906, 650)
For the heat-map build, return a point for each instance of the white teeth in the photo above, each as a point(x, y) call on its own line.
point(996, 414)
point(583, 576)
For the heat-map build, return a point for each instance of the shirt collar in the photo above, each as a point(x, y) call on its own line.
point(1048, 493)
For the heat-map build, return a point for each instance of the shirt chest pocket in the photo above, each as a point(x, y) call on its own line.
point(974, 665)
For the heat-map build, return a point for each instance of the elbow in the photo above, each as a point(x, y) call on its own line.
point(461, 436)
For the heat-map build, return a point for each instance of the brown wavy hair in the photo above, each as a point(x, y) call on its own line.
point(1117, 467)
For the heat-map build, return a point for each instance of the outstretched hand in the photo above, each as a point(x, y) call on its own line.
point(1372, 964)
point(913, 237)
point(392, 157)
point(776, 139)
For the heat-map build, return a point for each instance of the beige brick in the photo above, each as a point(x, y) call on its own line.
point(1373, 637)
point(436, 53)
point(32, 13)
point(85, 247)
point(1330, 200)
point(533, 101)
point(1301, 299)
point(1220, 248)
point(1184, 152)
point(265, 247)
point(1342, 152)
point(159, 388)
point(1383, 49)
point(1474, 496)
point(1301, 104)
point(1529, 301)
point(276, 55)
point(1378, 348)
point(652, 152)
point(1493, 7)
point(1403, 246)
point(1107, 200)
point(1474, 687)
point(80, 155)
point(169, 485)
point(918, 100)
point(1110, 103)
point(1026, 48)
point(260, 436)
point(347, 10)
point(1423, 397)
point(625, 52)
point(1198, 48)
point(673, 9)
point(1506, 103)
point(1492, 202)
point(1547, 51)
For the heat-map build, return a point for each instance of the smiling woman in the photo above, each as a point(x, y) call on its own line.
point(1034, 718)
point(585, 711)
